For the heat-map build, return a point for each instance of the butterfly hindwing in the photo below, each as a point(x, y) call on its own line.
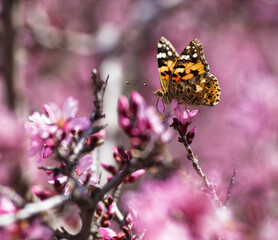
point(190, 81)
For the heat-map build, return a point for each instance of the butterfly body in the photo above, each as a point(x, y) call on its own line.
point(185, 78)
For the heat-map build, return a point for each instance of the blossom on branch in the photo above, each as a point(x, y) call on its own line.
point(55, 127)
point(183, 118)
point(137, 119)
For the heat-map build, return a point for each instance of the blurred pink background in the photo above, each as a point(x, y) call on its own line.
point(48, 49)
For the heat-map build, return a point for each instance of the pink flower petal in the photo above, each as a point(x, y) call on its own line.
point(84, 164)
point(184, 117)
point(134, 176)
point(107, 233)
point(112, 209)
point(155, 121)
point(124, 122)
point(36, 146)
point(70, 108)
point(123, 105)
point(77, 124)
point(52, 111)
point(61, 178)
point(137, 104)
point(47, 152)
point(40, 155)
point(194, 113)
point(6, 205)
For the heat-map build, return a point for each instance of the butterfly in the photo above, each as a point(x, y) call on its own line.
point(185, 78)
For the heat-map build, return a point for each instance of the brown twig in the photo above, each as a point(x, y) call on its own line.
point(195, 162)
point(232, 183)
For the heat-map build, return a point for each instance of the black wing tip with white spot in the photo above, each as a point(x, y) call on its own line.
point(163, 39)
point(165, 49)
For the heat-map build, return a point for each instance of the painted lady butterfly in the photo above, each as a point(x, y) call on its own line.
point(185, 78)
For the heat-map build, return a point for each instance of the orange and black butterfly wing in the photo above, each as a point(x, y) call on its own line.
point(190, 81)
point(166, 58)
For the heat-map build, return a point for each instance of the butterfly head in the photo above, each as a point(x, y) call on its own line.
point(163, 94)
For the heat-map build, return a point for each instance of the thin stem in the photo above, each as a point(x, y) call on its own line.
point(232, 183)
point(195, 163)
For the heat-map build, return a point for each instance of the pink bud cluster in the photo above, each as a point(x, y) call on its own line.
point(138, 120)
point(107, 233)
point(123, 158)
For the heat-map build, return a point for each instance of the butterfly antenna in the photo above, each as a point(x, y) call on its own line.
point(133, 84)
point(140, 86)
point(146, 85)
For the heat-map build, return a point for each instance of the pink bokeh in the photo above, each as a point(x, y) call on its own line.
point(58, 43)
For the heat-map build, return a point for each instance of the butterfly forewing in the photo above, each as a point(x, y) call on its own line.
point(166, 58)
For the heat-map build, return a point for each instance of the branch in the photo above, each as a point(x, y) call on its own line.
point(99, 90)
point(32, 209)
point(195, 163)
point(232, 183)
point(144, 161)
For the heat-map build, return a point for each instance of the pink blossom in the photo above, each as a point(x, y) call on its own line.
point(182, 119)
point(84, 164)
point(184, 116)
point(107, 233)
point(138, 120)
point(84, 172)
point(56, 179)
point(54, 126)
